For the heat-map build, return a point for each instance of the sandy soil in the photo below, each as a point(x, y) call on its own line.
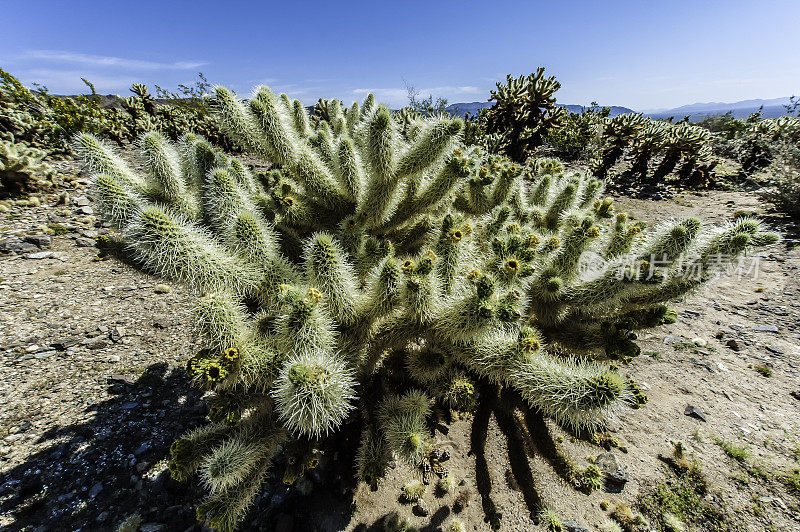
point(93, 391)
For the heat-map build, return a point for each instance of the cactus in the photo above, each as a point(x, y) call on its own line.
point(524, 112)
point(655, 149)
point(387, 270)
point(21, 168)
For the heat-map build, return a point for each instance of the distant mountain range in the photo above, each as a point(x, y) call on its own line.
point(697, 111)
point(460, 109)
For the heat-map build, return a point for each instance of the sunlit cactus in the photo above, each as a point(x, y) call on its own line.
point(655, 149)
point(524, 111)
point(380, 270)
point(21, 168)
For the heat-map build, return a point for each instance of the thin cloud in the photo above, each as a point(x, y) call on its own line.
point(69, 81)
point(110, 61)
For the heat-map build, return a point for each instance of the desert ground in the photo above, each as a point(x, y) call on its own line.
point(93, 391)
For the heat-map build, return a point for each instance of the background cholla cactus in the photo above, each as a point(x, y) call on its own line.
point(524, 112)
point(381, 268)
point(655, 149)
point(21, 168)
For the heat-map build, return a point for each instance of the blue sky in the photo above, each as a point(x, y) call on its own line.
point(641, 54)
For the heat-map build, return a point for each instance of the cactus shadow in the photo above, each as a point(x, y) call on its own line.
point(92, 474)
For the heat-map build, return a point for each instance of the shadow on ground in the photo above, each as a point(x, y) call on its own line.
point(92, 475)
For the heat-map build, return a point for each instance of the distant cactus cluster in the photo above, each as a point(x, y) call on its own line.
point(524, 112)
point(783, 154)
point(757, 145)
point(21, 168)
point(48, 122)
point(654, 150)
point(380, 269)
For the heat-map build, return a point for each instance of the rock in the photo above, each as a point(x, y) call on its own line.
point(733, 344)
point(85, 210)
point(152, 527)
point(45, 354)
point(116, 334)
point(39, 255)
point(141, 449)
point(766, 328)
point(97, 344)
point(773, 350)
point(141, 467)
point(160, 324)
point(96, 489)
point(15, 244)
point(699, 342)
point(694, 412)
point(40, 241)
point(124, 379)
point(84, 242)
point(62, 345)
point(572, 526)
point(82, 201)
point(421, 509)
point(672, 340)
point(615, 475)
point(128, 406)
point(162, 289)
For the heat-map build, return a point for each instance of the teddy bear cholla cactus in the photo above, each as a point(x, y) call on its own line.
point(383, 265)
point(21, 168)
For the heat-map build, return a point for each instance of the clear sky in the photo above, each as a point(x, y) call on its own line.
point(642, 54)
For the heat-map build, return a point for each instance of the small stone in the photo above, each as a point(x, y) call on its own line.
point(116, 334)
point(97, 344)
point(694, 412)
point(123, 379)
point(572, 526)
point(615, 475)
point(700, 342)
point(672, 340)
point(160, 324)
point(733, 344)
point(40, 241)
point(63, 345)
point(45, 354)
point(96, 489)
point(162, 289)
point(773, 350)
point(152, 527)
point(39, 255)
point(15, 244)
point(766, 328)
point(129, 406)
point(85, 210)
point(82, 201)
point(84, 242)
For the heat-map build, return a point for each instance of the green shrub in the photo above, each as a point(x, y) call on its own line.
point(383, 264)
